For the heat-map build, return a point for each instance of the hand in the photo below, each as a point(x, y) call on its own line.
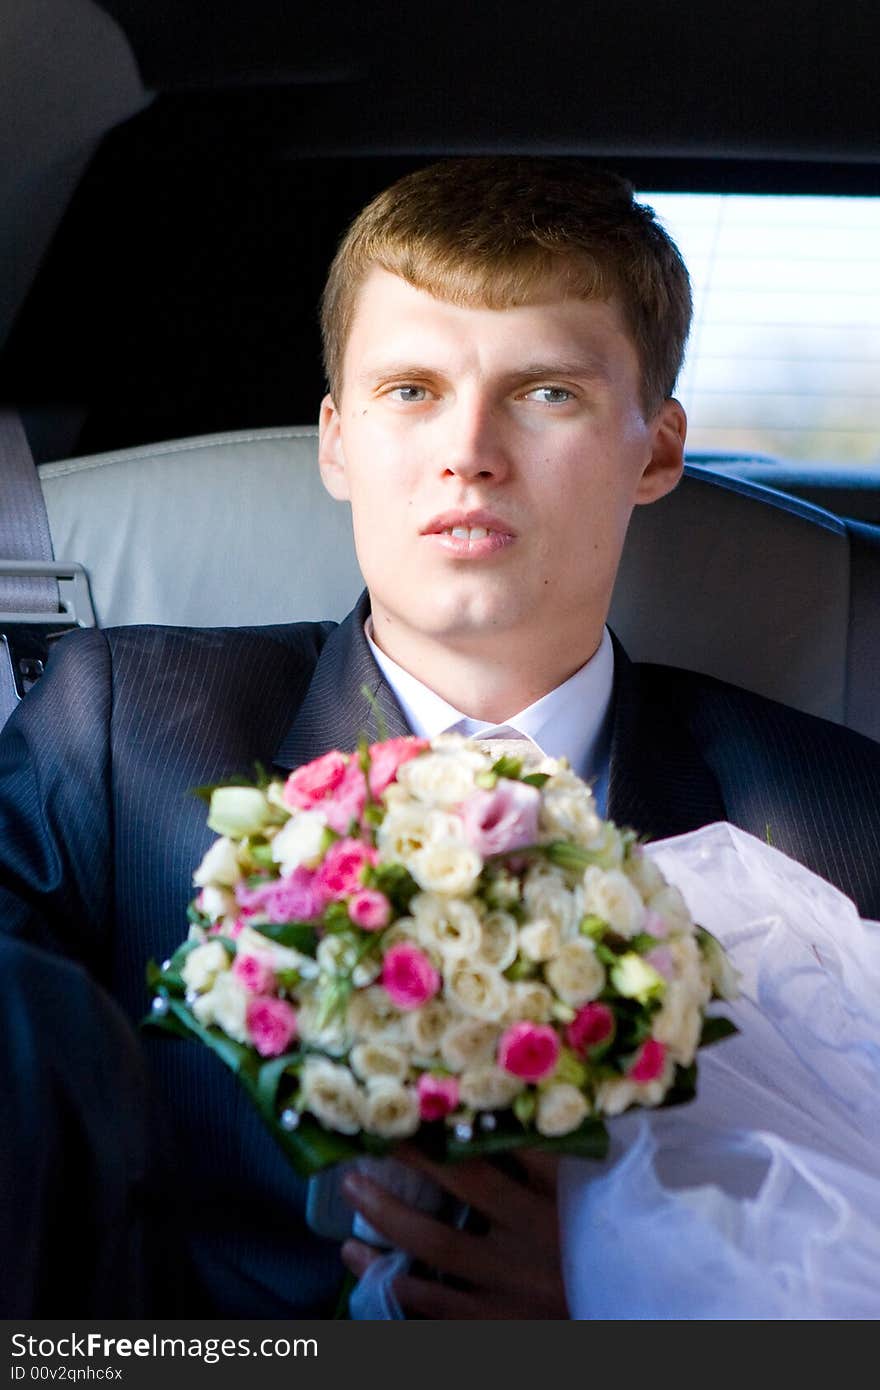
point(511, 1271)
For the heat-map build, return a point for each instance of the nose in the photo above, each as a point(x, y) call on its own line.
point(474, 448)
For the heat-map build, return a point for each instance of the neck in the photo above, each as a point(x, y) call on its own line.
point(488, 681)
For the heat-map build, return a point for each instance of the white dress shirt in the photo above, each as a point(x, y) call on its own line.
point(572, 721)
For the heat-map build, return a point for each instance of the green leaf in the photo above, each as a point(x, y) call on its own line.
point(590, 1140)
point(269, 1078)
point(683, 1088)
point(299, 936)
point(378, 718)
point(508, 767)
point(715, 1029)
point(536, 779)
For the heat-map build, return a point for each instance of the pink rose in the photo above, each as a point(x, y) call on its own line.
point(271, 1024)
point(341, 871)
point(503, 819)
point(296, 898)
point(438, 1095)
point(387, 757)
point(529, 1050)
point(591, 1026)
point(369, 909)
point(650, 1061)
point(409, 976)
point(347, 801)
point(255, 973)
point(308, 785)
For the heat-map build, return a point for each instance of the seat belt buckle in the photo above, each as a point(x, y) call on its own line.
point(27, 637)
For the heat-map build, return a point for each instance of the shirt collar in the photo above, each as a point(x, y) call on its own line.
point(571, 721)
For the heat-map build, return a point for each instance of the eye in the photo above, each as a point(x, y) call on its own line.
point(550, 395)
point(409, 394)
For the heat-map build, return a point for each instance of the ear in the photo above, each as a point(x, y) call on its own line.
point(664, 468)
point(331, 459)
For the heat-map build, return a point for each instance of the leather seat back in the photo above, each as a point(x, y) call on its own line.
point(722, 576)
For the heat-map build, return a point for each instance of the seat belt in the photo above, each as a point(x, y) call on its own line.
point(40, 599)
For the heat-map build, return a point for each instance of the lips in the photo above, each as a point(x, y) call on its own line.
point(471, 535)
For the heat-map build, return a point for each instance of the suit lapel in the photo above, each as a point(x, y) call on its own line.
point(335, 711)
point(659, 783)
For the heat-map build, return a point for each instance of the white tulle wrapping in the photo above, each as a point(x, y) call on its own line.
point(761, 1199)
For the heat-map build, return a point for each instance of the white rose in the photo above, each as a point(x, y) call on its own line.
point(568, 810)
point(575, 974)
point(609, 894)
point(643, 873)
point(678, 1023)
point(226, 1005)
point(617, 1093)
point(409, 828)
point(333, 1037)
point(372, 1015)
point(220, 865)
point(446, 868)
point(239, 811)
point(446, 924)
point(391, 1110)
point(203, 965)
point(498, 940)
point(216, 903)
point(424, 1028)
point(539, 940)
point(438, 779)
point(488, 1088)
point(469, 1043)
point(608, 846)
point(529, 1000)
point(300, 841)
point(561, 1109)
point(547, 896)
point(671, 906)
point(690, 967)
point(332, 1095)
point(371, 1060)
point(337, 954)
point(476, 989)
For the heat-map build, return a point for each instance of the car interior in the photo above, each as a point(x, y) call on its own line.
point(176, 177)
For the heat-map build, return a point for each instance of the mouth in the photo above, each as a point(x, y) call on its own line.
point(470, 535)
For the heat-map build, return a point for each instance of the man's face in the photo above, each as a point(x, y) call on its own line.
point(492, 459)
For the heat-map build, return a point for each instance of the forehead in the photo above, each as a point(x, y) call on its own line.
point(395, 322)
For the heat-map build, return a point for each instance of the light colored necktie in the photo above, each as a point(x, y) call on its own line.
point(516, 746)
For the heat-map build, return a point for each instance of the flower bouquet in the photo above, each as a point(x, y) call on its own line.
point(418, 939)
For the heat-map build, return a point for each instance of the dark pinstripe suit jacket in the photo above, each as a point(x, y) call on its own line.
point(99, 837)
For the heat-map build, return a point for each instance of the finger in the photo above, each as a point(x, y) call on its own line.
point(445, 1248)
point(427, 1299)
point(507, 1202)
point(542, 1169)
point(358, 1257)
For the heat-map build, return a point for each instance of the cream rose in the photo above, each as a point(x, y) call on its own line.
point(498, 940)
point(671, 906)
point(425, 1027)
point(439, 779)
point(239, 811)
point(216, 903)
point(529, 1000)
point(299, 841)
point(568, 810)
point(609, 894)
point(226, 1005)
point(548, 897)
point(576, 975)
point(468, 1044)
point(561, 1108)
point(375, 1059)
point(446, 924)
point(220, 865)
point(446, 867)
point(488, 1088)
point(332, 1095)
point(391, 1110)
point(411, 827)
point(476, 989)
point(251, 942)
point(643, 873)
point(539, 940)
point(203, 965)
point(372, 1015)
point(678, 1023)
point(618, 1093)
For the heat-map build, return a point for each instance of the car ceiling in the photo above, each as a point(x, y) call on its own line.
point(742, 79)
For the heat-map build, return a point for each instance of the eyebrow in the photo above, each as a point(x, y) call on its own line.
point(585, 368)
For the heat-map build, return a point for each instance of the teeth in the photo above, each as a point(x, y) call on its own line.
point(464, 533)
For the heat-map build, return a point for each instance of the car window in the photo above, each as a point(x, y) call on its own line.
point(784, 354)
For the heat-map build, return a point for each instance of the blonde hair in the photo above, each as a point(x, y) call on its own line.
point(499, 232)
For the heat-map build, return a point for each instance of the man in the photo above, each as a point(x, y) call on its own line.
point(502, 342)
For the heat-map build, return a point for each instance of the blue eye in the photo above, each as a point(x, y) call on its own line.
point(410, 395)
point(551, 395)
